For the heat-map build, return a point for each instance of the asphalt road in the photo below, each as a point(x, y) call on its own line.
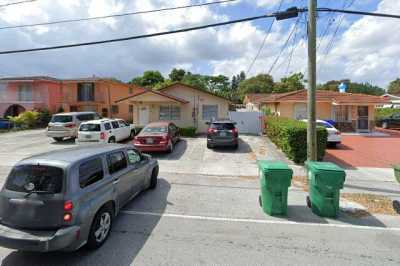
point(205, 218)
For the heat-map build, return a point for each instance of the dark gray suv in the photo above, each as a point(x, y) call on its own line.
point(222, 133)
point(62, 200)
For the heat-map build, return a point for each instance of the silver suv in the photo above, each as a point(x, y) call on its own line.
point(65, 125)
point(62, 200)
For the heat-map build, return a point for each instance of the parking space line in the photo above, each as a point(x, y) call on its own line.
point(258, 221)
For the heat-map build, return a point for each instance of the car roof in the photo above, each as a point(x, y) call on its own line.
point(75, 154)
point(98, 121)
point(76, 113)
point(160, 123)
point(221, 121)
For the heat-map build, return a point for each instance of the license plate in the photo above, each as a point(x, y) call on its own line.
point(222, 134)
point(149, 141)
point(88, 136)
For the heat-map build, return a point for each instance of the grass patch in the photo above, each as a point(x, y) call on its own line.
point(374, 203)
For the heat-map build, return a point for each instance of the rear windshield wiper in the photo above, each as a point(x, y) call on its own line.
point(38, 192)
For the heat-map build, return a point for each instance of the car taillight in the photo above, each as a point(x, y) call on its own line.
point(70, 126)
point(103, 135)
point(68, 206)
point(211, 130)
point(338, 132)
point(67, 217)
point(235, 131)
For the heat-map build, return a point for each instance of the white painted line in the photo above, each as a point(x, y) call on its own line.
point(259, 221)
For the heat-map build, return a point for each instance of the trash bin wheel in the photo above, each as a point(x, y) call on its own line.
point(396, 206)
point(259, 200)
point(308, 202)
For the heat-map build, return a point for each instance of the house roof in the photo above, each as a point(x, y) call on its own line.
point(255, 97)
point(143, 91)
point(325, 96)
point(29, 78)
point(194, 88)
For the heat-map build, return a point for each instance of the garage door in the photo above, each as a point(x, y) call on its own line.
point(247, 122)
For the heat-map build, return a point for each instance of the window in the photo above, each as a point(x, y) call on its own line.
point(25, 92)
point(114, 109)
point(85, 92)
point(122, 123)
point(115, 124)
point(170, 112)
point(223, 126)
point(210, 112)
point(116, 162)
point(104, 112)
point(61, 119)
point(86, 117)
point(133, 156)
point(155, 129)
point(325, 125)
point(130, 108)
point(342, 113)
point(107, 126)
point(25, 178)
point(90, 172)
point(89, 127)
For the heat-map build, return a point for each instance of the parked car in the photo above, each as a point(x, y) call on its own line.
point(105, 131)
point(392, 121)
point(157, 136)
point(65, 125)
point(222, 133)
point(64, 199)
point(334, 135)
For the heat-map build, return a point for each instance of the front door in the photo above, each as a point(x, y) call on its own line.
point(362, 121)
point(143, 115)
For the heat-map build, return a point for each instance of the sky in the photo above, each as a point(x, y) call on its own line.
point(360, 48)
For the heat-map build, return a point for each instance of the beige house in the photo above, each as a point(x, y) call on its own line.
point(184, 105)
point(350, 111)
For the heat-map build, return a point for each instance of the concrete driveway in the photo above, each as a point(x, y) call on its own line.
point(212, 217)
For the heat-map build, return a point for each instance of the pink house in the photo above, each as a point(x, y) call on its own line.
point(27, 93)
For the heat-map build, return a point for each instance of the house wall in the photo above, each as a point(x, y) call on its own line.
point(196, 100)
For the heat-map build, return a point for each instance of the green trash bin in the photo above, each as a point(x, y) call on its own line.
point(324, 183)
point(275, 180)
point(397, 172)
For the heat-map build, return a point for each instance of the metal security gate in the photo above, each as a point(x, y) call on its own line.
point(247, 122)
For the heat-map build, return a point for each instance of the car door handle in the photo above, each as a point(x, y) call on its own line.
point(116, 181)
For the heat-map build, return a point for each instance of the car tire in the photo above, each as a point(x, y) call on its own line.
point(236, 146)
point(101, 228)
point(132, 135)
point(58, 139)
point(153, 180)
point(111, 140)
point(385, 125)
point(209, 146)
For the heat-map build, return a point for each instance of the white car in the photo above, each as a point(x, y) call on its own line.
point(334, 136)
point(105, 131)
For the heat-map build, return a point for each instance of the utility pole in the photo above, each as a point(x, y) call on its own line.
point(312, 81)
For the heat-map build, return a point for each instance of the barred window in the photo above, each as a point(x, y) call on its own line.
point(170, 113)
point(210, 112)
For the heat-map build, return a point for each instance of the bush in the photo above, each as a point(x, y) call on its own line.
point(187, 131)
point(43, 118)
point(291, 137)
point(27, 119)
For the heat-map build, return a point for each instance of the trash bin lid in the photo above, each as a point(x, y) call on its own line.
point(273, 165)
point(323, 166)
point(396, 167)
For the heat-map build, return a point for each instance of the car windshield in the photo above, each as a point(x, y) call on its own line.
point(325, 125)
point(89, 127)
point(27, 178)
point(155, 129)
point(223, 126)
point(61, 119)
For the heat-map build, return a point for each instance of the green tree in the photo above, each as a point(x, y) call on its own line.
point(394, 87)
point(149, 79)
point(291, 83)
point(262, 83)
point(219, 83)
point(176, 74)
point(196, 80)
point(352, 87)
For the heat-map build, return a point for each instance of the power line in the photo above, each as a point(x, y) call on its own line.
point(142, 36)
point(263, 42)
point(294, 46)
point(284, 46)
point(17, 3)
point(115, 15)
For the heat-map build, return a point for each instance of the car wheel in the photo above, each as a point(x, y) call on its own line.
point(132, 135)
point(100, 229)
point(58, 139)
point(209, 146)
point(385, 125)
point(236, 146)
point(153, 180)
point(111, 140)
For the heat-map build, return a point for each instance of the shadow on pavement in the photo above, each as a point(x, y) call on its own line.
point(334, 159)
point(129, 235)
point(178, 152)
point(244, 147)
point(63, 142)
point(381, 190)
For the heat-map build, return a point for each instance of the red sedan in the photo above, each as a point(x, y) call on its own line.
point(157, 136)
